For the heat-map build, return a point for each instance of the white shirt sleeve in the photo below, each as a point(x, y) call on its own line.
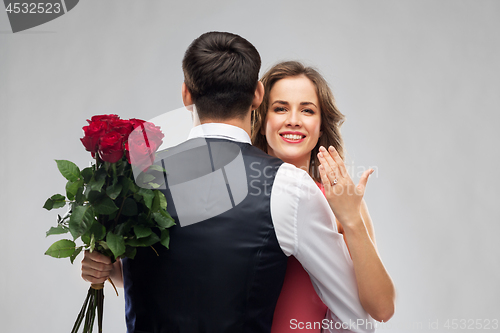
point(305, 227)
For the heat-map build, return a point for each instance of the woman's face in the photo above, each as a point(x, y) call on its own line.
point(293, 120)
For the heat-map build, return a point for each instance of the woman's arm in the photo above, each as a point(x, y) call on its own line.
point(375, 287)
point(368, 224)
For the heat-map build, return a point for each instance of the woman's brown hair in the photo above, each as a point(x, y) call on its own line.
point(331, 117)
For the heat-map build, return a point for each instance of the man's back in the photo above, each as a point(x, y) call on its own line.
point(225, 266)
point(222, 274)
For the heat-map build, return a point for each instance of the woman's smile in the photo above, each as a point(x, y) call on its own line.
point(292, 137)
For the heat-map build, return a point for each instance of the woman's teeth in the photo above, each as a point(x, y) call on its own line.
point(292, 136)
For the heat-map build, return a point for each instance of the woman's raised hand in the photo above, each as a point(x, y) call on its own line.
point(342, 194)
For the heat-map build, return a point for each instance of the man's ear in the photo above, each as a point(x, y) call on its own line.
point(258, 96)
point(187, 99)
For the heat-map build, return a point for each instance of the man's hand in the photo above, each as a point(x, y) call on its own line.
point(96, 267)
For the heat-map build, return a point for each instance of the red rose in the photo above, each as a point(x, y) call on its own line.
point(111, 147)
point(93, 133)
point(106, 135)
point(104, 117)
point(139, 154)
point(142, 144)
point(124, 127)
point(136, 122)
point(154, 135)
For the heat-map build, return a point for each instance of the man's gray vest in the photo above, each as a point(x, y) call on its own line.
point(224, 269)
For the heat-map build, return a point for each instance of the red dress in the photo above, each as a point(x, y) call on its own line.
point(298, 301)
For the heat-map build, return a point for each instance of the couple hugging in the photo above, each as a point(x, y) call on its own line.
point(297, 252)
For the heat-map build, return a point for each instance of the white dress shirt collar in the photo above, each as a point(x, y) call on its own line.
point(220, 131)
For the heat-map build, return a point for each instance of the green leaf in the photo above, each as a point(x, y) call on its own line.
point(57, 230)
point(68, 169)
point(61, 249)
point(146, 178)
point(104, 206)
point(79, 197)
point(165, 238)
point(146, 241)
point(86, 238)
point(58, 197)
point(114, 190)
point(129, 207)
point(87, 174)
point(59, 204)
point(124, 228)
point(163, 200)
point(75, 254)
point(163, 219)
point(49, 204)
point(133, 187)
point(55, 201)
point(116, 244)
point(94, 196)
point(130, 252)
point(129, 185)
point(126, 183)
point(154, 185)
point(141, 231)
point(104, 245)
point(98, 230)
point(159, 202)
point(87, 191)
point(147, 195)
point(89, 216)
point(78, 225)
point(156, 167)
point(98, 179)
point(95, 233)
point(144, 219)
point(121, 166)
point(72, 188)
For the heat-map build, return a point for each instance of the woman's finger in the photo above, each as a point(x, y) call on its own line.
point(330, 173)
point(324, 179)
point(338, 160)
point(327, 160)
point(363, 180)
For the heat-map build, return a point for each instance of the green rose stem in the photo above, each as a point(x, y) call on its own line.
point(95, 297)
point(94, 300)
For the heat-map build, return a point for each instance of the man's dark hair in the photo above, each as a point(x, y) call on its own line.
point(221, 71)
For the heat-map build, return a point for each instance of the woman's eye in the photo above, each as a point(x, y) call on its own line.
point(279, 109)
point(308, 111)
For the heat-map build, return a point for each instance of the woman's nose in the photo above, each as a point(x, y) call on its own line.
point(293, 119)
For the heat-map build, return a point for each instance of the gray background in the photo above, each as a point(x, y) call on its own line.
point(418, 81)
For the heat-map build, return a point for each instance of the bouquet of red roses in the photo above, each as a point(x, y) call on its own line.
point(109, 210)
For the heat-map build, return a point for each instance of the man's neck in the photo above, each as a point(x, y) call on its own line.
point(244, 123)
